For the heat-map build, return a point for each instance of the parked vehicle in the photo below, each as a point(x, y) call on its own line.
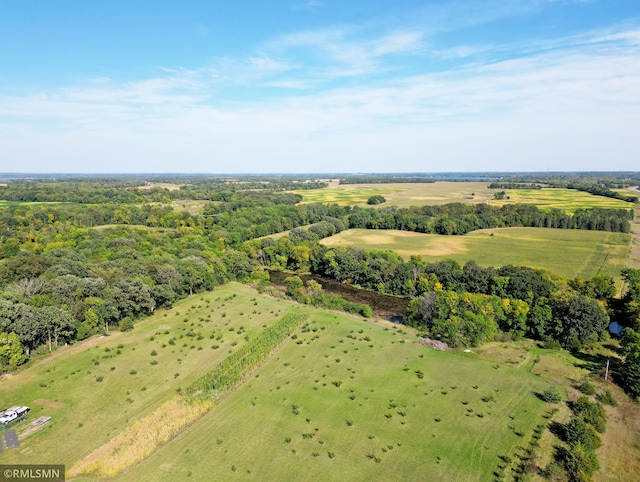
point(13, 413)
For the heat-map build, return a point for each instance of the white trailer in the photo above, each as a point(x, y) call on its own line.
point(13, 413)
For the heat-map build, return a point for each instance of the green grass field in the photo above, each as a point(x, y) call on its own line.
point(190, 206)
point(402, 195)
point(406, 195)
point(396, 409)
point(344, 399)
point(565, 252)
point(348, 400)
point(566, 199)
point(87, 412)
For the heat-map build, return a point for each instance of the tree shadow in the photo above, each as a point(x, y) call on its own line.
point(591, 362)
point(614, 347)
point(557, 429)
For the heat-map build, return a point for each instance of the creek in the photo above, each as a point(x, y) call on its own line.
point(384, 306)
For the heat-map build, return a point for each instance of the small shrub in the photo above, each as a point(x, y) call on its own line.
point(125, 324)
point(551, 395)
point(592, 413)
point(587, 388)
point(607, 398)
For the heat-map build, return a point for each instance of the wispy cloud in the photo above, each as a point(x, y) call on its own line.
point(346, 93)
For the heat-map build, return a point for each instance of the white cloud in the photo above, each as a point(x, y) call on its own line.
point(570, 103)
point(398, 43)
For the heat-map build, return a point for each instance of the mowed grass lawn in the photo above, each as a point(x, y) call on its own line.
point(94, 389)
point(348, 400)
point(565, 252)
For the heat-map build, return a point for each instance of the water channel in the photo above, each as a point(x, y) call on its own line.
point(384, 306)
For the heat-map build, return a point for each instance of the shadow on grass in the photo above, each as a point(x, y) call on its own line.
point(557, 429)
point(592, 362)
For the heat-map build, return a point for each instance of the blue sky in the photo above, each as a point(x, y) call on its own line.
point(319, 86)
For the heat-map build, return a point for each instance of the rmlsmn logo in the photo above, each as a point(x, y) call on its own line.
point(23, 473)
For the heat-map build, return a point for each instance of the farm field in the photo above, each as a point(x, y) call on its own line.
point(96, 388)
point(565, 252)
point(634, 256)
point(423, 194)
point(190, 206)
point(348, 400)
point(399, 194)
point(566, 199)
point(164, 185)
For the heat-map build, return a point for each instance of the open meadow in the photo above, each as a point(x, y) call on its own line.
point(399, 194)
point(444, 192)
point(341, 399)
point(565, 252)
point(566, 199)
point(342, 396)
point(94, 389)
point(348, 400)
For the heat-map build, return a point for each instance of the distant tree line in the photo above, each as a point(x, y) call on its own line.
point(459, 218)
point(386, 180)
point(602, 190)
point(514, 185)
point(134, 191)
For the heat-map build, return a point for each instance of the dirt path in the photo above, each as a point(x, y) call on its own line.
point(634, 255)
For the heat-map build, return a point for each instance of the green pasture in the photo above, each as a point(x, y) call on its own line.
point(402, 195)
point(343, 399)
point(191, 206)
point(565, 252)
point(444, 192)
point(348, 400)
point(566, 199)
point(96, 388)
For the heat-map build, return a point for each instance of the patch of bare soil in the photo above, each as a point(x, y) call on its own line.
point(49, 403)
point(34, 426)
point(634, 256)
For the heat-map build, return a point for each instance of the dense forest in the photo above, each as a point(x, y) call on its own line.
point(104, 252)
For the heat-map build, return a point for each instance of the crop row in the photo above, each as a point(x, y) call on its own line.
point(237, 365)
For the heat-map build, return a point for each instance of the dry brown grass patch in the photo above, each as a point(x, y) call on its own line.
point(49, 403)
point(140, 439)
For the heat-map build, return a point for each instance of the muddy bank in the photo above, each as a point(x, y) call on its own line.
point(384, 306)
